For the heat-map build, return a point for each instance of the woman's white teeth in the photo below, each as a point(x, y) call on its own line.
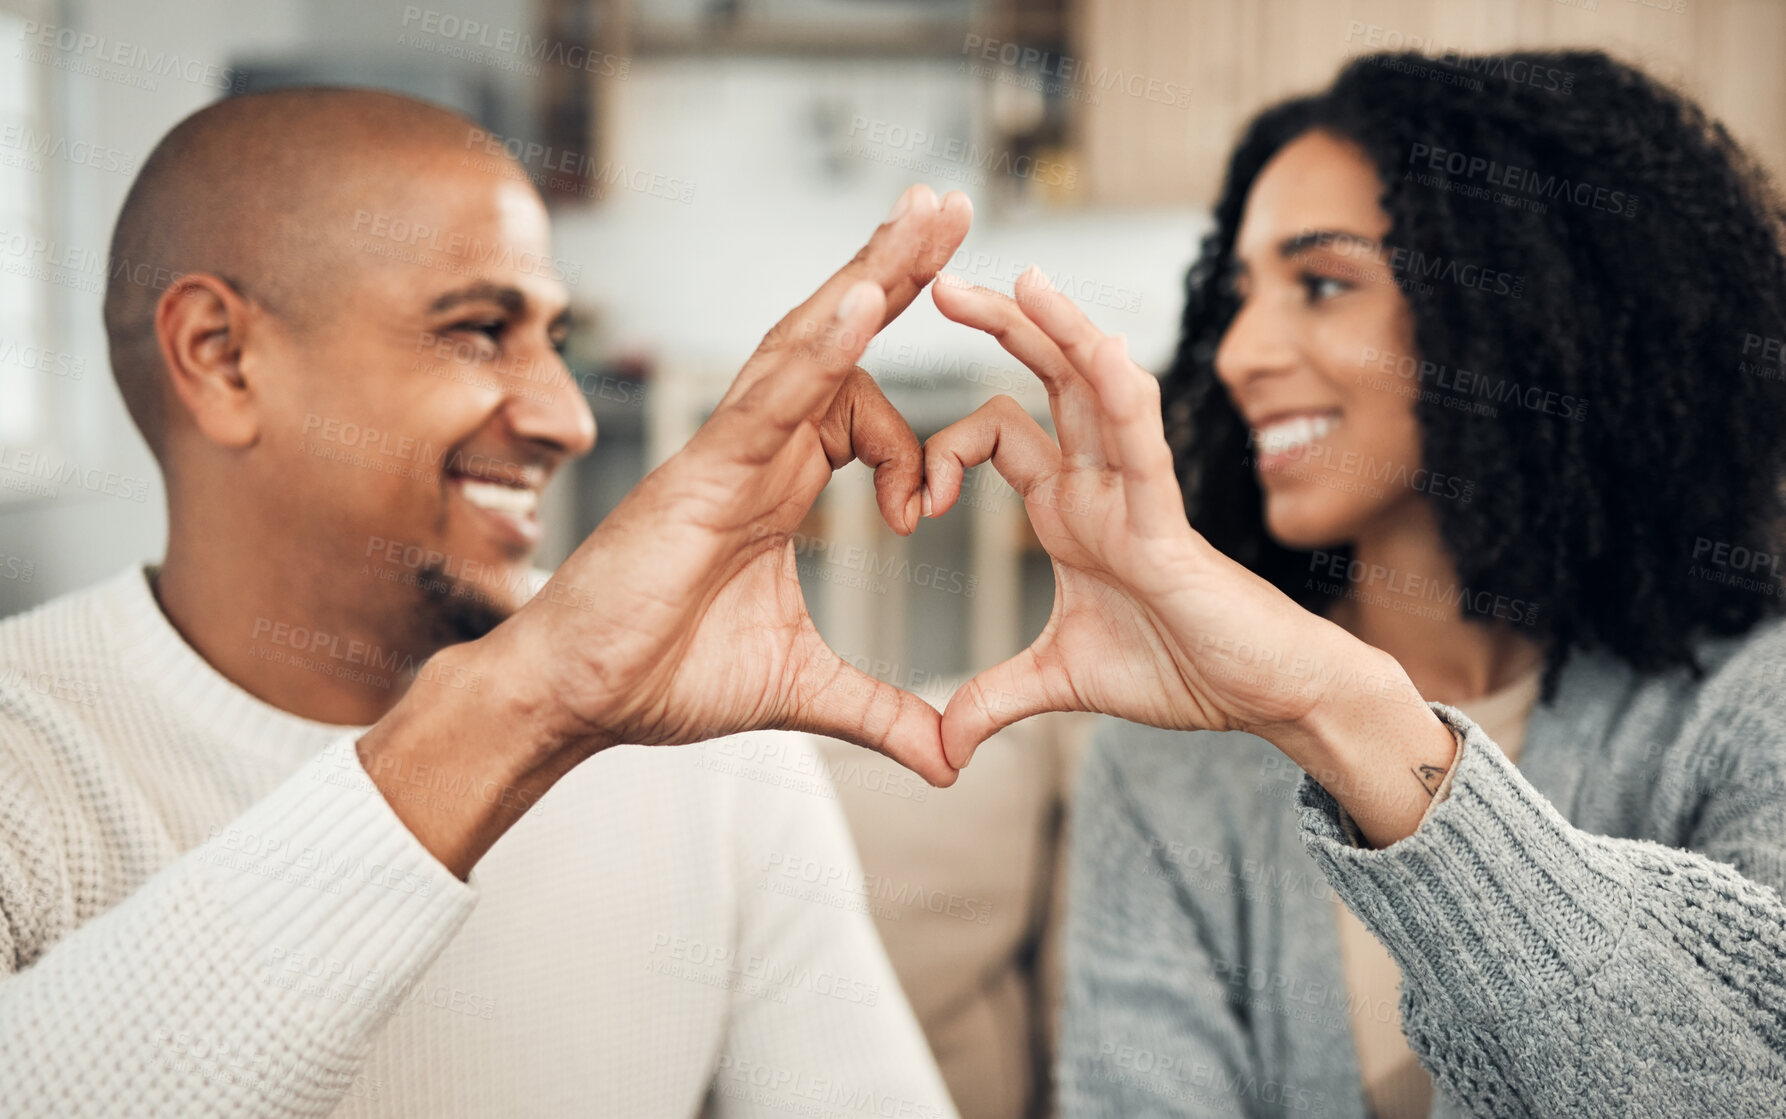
point(1287, 435)
point(513, 500)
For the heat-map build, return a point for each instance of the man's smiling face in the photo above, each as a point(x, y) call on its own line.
point(420, 417)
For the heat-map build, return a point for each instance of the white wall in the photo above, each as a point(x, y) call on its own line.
point(779, 205)
point(79, 537)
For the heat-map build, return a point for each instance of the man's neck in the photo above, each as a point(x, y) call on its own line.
point(273, 630)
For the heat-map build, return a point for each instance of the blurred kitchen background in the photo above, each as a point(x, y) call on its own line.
point(709, 162)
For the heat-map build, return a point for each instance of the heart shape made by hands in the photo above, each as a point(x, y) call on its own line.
point(714, 636)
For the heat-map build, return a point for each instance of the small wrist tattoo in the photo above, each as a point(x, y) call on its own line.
point(1431, 777)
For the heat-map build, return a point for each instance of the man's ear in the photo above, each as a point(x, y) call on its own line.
point(202, 326)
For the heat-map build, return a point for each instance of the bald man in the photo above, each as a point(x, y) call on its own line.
point(239, 880)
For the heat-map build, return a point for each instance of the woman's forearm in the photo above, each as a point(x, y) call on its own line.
point(1372, 743)
point(1551, 971)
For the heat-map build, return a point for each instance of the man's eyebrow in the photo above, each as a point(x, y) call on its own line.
point(1321, 239)
point(510, 299)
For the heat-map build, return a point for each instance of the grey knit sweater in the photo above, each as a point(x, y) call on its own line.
point(1598, 932)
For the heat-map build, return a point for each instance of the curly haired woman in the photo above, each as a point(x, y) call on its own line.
point(1472, 622)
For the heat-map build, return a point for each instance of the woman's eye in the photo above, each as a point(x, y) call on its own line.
point(1323, 287)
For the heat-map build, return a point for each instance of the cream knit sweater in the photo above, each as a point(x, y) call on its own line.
point(207, 909)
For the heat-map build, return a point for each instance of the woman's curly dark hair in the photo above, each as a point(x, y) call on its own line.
point(1654, 312)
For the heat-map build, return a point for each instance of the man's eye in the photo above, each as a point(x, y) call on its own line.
point(490, 328)
point(560, 343)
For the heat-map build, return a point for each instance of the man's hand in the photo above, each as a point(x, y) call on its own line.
point(681, 617)
point(1150, 622)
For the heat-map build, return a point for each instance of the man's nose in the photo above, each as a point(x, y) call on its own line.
point(549, 407)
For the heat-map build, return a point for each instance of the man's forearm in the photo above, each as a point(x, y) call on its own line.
point(483, 758)
point(166, 1004)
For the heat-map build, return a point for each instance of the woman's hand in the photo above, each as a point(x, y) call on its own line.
point(1150, 622)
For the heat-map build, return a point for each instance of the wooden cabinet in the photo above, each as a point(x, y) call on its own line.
point(1236, 56)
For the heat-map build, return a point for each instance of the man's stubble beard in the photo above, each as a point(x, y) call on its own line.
point(456, 611)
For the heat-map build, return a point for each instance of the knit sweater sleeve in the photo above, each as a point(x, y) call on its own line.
point(1548, 971)
point(171, 1002)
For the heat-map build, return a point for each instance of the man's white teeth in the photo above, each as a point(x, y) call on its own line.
point(512, 500)
point(1287, 435)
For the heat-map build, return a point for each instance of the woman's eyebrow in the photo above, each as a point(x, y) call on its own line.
point(1322, 239)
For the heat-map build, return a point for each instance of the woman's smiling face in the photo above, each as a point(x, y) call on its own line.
point(1334, 441)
